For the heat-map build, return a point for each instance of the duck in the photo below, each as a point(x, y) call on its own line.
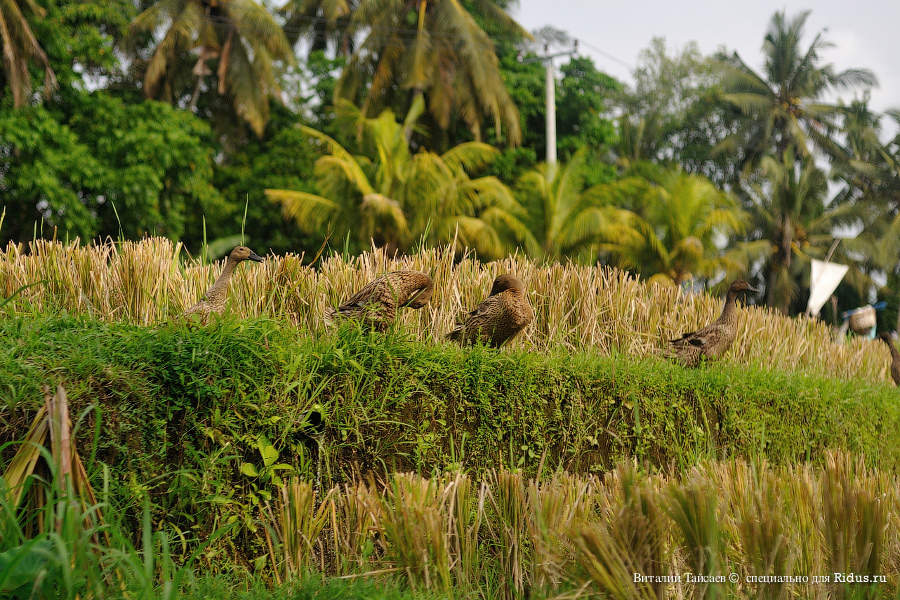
point(377, 302)
point(895, 357)
point(499, 318)
point(214, 299)
point(716, 338)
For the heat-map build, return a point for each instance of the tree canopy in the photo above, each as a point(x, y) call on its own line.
point(404, 123)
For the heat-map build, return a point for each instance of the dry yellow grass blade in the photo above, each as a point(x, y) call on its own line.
point(581, 536)
point(52, 420)
point(25, 459)
point(576, 307)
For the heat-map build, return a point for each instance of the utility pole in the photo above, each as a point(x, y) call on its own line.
point(550, 99)
point(550, 110)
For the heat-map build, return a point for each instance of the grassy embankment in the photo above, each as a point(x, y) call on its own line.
point(207, 424)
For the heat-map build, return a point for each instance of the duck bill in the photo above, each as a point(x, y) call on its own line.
point(256, 257)
point(753, 290)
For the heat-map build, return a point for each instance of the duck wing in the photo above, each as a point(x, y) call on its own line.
point(480, 319)
point(370, 293)
point(374, 303)
point(700, 338)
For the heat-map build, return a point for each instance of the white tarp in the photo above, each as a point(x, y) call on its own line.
point(823, 280)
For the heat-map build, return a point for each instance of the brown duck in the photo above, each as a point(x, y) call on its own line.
point(715, 339)
point(499, 318)
point(895, 358)
point(214, 299)
point(377, 303)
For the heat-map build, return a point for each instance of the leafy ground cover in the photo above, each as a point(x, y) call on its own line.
point(204, 423)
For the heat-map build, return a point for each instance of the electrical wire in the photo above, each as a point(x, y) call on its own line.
point(606, 54)
point(412, 33)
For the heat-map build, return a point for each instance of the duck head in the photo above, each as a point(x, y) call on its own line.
point(739, 286)
point(242, 253)
point(507, 282)
point(421, 296)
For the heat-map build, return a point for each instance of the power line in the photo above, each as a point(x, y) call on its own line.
point(629, 66)
point(410, 33)
point(312, 20)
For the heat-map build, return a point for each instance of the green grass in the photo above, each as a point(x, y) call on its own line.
point(204, 423)
point(312, 588)
point(386, 398)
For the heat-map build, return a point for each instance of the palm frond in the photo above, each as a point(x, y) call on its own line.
point(310, 211)
point(470, 156)
point(255, 24)
point(851, 78)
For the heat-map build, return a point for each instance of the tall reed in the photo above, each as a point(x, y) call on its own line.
point(587, 536)
point(295, 523)
point(576, 307)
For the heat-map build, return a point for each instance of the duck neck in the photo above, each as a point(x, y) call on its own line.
point(729, 312)
point(895, 354)
point(225, 275)
point(511, 295)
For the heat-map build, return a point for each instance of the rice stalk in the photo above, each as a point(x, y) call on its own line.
point(692, 507)
point(297, 523)
point(576, 307)
point(466, 518)
point(415, 521)
point(554, 508)
point(354, 512)
point(761, 513)
point(628, 538)
point(855, 521)
point(507, 525)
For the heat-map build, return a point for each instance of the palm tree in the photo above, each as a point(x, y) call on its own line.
point(241, 34)
point(655, 110)
point(435, 49)
point(19, 46)
point(444, 202)
point(640, 138)
point(324, 20)
point(783, 104)
point(676, 228)
point(792, 222)
point(393, 197)
point(870, 171)
point(565, 220)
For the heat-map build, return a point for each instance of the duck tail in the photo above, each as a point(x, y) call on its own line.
point(679, 340)
point(670, 349)
point(666, 351)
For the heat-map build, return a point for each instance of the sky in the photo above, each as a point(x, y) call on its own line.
point(865, 32)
